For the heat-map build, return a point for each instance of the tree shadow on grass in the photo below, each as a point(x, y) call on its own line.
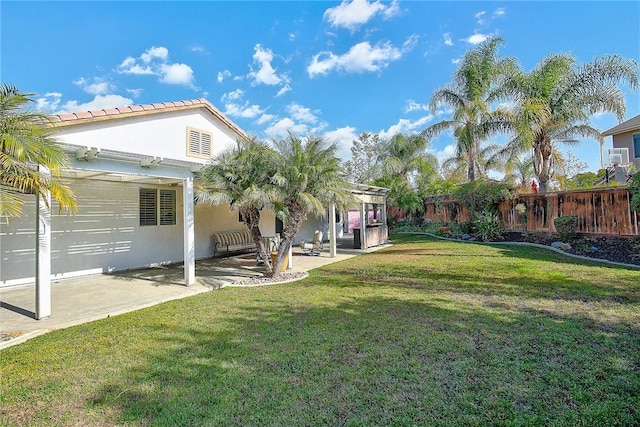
point(379, 361)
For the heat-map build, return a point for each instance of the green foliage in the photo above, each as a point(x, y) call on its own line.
point(26, 139)
point(634, 189)
point(566, 227)
point(480, 195)
point(523, 216)
point(488, 226)
point(365, 151)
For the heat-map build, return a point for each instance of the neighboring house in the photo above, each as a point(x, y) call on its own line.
point(132, 171)
point(626, 144)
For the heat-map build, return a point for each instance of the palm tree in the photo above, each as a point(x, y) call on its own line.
point(470, 95)
point(309, 177)
point(555, 100)
point(241, 176)
point(403, 155)
point(519, 171)
point(26, 145)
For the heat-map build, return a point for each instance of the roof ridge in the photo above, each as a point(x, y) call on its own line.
point(67, 118)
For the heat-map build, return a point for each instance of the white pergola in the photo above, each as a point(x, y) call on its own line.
point(115, 167)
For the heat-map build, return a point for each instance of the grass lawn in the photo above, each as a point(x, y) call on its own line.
point(426, 332)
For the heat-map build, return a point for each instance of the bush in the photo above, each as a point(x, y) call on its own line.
point(480, 195)
point(488, 225)
point(566, 227)
point(634, 189)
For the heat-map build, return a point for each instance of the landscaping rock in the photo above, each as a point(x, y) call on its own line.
point(561, 245)
point(465, 237)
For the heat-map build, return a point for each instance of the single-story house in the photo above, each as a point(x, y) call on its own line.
point(132, 170)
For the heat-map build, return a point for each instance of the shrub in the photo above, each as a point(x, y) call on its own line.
point(480, 195)
point(634, 189)
point(488, 225)
point(566, 227)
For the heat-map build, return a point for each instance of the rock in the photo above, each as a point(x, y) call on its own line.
point(465, 237)
point(561, 245)
point(594, 249)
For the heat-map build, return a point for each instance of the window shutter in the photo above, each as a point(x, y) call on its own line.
point(148, 206)
point(167, 207)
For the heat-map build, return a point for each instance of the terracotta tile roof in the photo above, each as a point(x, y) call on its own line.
point(628, 126)
point(70, 119)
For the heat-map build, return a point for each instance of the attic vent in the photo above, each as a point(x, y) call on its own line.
point(199, 143)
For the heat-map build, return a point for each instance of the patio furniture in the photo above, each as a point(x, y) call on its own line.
point(315, 246)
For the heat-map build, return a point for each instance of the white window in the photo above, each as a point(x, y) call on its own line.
point(152, 207)
point(199, 143)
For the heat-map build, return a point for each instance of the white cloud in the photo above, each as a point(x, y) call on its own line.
point(179, 74)
point(456, 60)
point(129, 66)
point(155, 61)
point(49, 102)
point(361, 58)
point(134, 92)
point(265, 118)
point(284, 89)
point(412, 105)
point(300, 113)
point(245, 111)
point(343, 138)
point(223, 75)
point(501, 11)
point(161, 53)
point(100, 102)
point(266, 74)
point(232, 96)
point(447, 39)
point(97, 87)
point(352, 15)
point(406, 126)
point(479, 17)
point(282, 127)
point(476, 38)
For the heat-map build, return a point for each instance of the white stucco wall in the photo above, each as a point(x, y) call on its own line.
point(160, 134)
point(105, 234)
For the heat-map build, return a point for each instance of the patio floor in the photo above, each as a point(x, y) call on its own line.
point(84, 299)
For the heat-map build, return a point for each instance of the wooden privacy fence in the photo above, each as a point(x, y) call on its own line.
point(599, 211)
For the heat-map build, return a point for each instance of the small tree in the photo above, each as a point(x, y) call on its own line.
point(309, 176)
point(241, 176)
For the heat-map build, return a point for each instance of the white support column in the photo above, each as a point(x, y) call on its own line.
point(43, 253)
point(189, 232)
point(363, 225)
point(290, 262)
point(332, 230)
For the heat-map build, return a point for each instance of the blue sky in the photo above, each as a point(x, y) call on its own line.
point(333, 68)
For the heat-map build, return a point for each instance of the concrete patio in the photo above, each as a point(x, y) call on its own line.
point(88, 298)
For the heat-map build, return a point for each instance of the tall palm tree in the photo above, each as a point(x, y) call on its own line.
point(471, 95)
point(555, 100)
point(519, 171)
point(309, 177)
point(241, 176)
point(26, 144)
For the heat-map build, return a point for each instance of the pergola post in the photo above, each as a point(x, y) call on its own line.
point(43, 252)
point(363, 225)
point(189, 232)
point(332, 230)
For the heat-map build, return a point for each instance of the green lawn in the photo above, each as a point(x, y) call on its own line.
point(426, 332)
